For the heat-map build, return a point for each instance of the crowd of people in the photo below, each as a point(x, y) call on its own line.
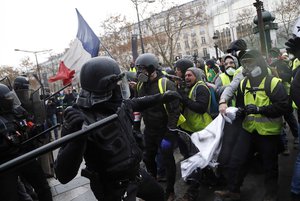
point(167, 101)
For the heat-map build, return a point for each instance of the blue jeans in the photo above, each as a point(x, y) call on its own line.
point(295, 186)
point(53, 121)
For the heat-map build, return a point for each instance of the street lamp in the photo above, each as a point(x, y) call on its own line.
point(136, 3)
point(215, 38)
point(36, 59)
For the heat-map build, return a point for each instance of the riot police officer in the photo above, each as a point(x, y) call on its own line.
point(111, 153)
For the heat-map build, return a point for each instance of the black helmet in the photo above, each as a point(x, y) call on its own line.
point(21, 82)
point(98, 79)
point(183, 65)
point(236, 45)
point(98, 74)
point(147, 61)
point(253, 58)
point(6, 99)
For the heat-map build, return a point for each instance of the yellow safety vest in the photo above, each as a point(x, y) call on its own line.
point(258, 122)
point(162, 86)
point(195, 121)
point(225, 82)
point(225, 79)
point(132, 69)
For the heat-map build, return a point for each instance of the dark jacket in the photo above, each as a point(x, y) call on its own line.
point(295, 87)
point(156, 117)
point(71, 154)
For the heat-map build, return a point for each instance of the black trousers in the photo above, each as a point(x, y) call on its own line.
point(246, 145)
point(9, 186)
point(33, 173)
point(152, 143)
point(147, 188)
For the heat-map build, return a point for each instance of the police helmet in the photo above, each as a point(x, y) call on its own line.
point(6, 99)
point(99, 77)
point(21, 82)
point(183, 65)
point(98, 74)
point(147, 61)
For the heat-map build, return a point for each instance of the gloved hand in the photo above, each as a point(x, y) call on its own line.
point(165, 144)
point(170, 96)
point(73, 119)
point(240, 113)
point(252, 109)
point(293, 46)
point(183, 94)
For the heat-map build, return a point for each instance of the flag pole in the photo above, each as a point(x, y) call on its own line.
point(106, 50)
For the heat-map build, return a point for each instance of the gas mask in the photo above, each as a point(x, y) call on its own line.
point(142, 77)
point(255, 72)
point(291, 56)
point(230, 71)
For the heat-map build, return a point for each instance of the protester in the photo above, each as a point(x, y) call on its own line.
point(160, 120)
point(293, 48)
point(264, 104)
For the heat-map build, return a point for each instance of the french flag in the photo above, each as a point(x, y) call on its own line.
point(85, 46)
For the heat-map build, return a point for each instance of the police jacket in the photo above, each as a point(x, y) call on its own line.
point(13, 128)
point(110, 150)
point(157, 117)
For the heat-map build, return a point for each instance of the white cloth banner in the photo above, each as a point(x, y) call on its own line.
point(208, 141)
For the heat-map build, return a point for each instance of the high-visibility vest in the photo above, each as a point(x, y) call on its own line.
point(195, 121)
point(225, 82)
point(133, 69)
point(258, 122)
point(225, 79)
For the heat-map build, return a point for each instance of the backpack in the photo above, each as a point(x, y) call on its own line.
point(214, 106)
point(267, 86)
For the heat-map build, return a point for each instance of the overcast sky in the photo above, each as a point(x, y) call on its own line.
point(36, 25)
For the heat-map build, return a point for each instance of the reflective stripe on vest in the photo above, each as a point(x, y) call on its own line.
point(258, 122)
point(195, 121)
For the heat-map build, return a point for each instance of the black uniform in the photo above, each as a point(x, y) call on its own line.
point(111, 153)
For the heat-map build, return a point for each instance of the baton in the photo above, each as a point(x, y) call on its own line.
point(42, 133)
point(53, 145)
point(57, 92)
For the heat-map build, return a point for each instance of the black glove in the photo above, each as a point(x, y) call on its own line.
point(73, 119)
point(240, 113)
point(293, 46)
point(183, 94)
point(169, 96)
point(252, 109)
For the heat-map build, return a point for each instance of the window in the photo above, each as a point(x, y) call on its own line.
point(203, 41)
point(202, 31)
point(178, 46)
point(204, 52)
point(194, 44)
point(186, 43)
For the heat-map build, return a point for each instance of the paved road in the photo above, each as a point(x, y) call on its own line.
point(78, 189)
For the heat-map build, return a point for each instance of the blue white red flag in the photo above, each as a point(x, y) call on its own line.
point(85, 46)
